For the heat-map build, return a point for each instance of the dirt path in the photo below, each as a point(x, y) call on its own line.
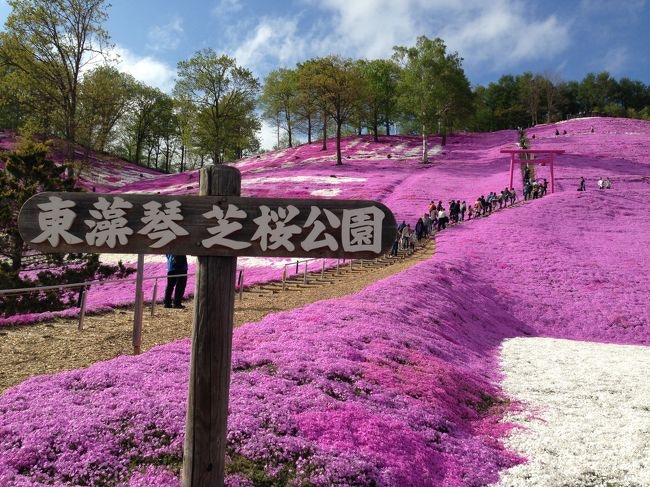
point(54, 346)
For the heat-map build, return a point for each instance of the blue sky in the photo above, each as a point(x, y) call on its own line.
point(565, 39)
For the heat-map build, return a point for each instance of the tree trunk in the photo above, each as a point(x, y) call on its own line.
point(324, 134)
point(387, 127)
point(375, 128)
point(424, 145)
point(289, 131)
point(309, 129)
point(339, 161)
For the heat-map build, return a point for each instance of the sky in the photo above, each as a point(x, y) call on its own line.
point(565, 39)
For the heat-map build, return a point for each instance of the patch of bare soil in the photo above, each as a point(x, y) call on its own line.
point(58, 345)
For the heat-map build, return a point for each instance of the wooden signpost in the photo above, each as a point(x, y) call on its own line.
point(217, 226)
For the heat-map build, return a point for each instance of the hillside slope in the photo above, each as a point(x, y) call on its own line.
point(395, 385)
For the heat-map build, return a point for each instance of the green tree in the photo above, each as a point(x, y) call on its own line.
point(223, 94)
point(279, 100)
point(337, 85)
point(381, 77)
point(27, 171)
point(139, 122)
point(433, 87)
point(105, 94)
point(48, 43)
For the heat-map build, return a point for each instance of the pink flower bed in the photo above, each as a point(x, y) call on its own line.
point(361, 390)
point(395, 385)
point(468, 166)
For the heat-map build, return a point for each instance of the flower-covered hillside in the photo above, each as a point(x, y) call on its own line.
point(468, 166)
point(99, 171)
point(380, 388)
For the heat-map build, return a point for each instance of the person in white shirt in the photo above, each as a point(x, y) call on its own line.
point(601, 183)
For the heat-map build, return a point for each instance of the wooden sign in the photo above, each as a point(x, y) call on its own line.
point(217, 226)
point(206, 225)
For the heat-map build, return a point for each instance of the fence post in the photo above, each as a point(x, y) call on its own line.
point(153, 298)
point(350, 265)
point(322, 271)
point(241, 284)
point(361, 263)
point(82, 311)
point(304, 277)
point(284, 278)
point(337, 267)
point(137, 314)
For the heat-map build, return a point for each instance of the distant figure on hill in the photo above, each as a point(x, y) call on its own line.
point(176, 264)
point(442, 219)
point(582, 184)
point(395, 247)
point(607, 183)
point(601, 183)
point(406, 236)
point(592, 130)
point(564, 132)
point(557, 132)
point(463, 209)
point(419, 229)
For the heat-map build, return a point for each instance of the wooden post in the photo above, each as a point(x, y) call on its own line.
point(552, 174)
point(153, 298)
point(240, 283)
point(304, 277)
point(322, 270)
point(209, 385)
point(82, 310)
point(512, 168)
point(139, 304)
point(284, 278)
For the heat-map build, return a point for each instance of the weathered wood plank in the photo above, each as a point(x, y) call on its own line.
point(206, 225)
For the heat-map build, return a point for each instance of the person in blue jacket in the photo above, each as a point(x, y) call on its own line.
point(176, 264)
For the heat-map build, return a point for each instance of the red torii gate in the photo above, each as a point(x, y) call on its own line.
point(547, 157)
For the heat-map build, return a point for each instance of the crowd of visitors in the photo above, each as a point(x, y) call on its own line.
point(438, 217)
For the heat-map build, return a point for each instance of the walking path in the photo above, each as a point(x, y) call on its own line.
point(54, 346)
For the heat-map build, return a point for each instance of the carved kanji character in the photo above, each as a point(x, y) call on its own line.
point(361, 229)
point(161, 223)
point(225, 227)
point(109, 224)
point(55, 220)
point(272, 227)
point(310, 243)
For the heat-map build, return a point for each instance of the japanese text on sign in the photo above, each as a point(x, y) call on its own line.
point(112, 221)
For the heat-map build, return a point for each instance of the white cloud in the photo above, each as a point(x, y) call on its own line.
point(498, 33)
point(165, 37)
point(614, 60)
point(146, 69)
point(224, 7)
point(272, 41)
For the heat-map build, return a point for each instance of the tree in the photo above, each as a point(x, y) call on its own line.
point(280, 100)
point(223, 94)
point(139, 121)
point(307, 105)
point(28, 171)
point(530, 90)
point(104, 96)
point(48, 43)
point(381, 77)
point(336, 83)
point(433, 87)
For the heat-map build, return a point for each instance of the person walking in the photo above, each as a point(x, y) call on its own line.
point(582, 184)
point(176, 280)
